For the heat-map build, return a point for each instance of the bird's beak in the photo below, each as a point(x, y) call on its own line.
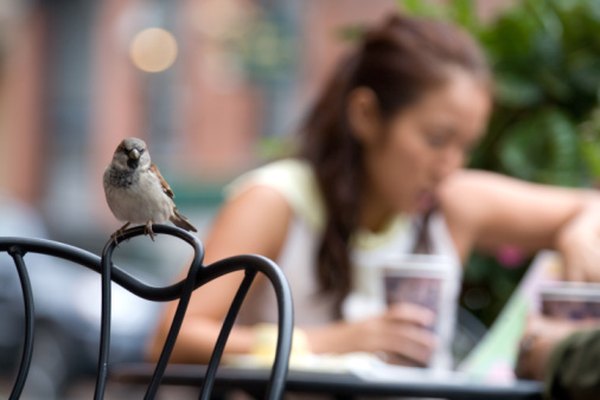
point(134, 154)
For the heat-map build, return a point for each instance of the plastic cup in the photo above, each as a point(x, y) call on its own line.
point(415, 279)
point(571, 300)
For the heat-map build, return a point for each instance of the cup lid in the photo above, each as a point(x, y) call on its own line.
point(417, 265)
point(571, 291)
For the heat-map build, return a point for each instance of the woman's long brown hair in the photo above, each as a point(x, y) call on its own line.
point(398, 60)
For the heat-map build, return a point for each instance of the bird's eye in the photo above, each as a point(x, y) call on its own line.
point(142, 150)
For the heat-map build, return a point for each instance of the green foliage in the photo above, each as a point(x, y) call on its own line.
point(546, 60)
point(590, 142)
point(545, 127)
point(461, 12)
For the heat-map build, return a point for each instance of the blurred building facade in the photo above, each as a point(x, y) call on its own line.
point(203, 82)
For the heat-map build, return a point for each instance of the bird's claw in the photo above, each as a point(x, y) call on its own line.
point(118, 233)
point(148, 230)
point(114, 236)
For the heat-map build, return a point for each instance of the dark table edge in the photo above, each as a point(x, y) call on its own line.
point(346, 384)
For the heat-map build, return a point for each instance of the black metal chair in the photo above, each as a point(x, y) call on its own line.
point(198, 275)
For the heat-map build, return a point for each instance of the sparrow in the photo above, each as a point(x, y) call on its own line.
point(136, 192)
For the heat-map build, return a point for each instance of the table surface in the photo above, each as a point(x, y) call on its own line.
point(340, 385)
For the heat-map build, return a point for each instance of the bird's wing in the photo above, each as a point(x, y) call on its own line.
point(163, 183)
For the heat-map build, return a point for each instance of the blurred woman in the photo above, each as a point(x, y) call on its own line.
point(381, 156)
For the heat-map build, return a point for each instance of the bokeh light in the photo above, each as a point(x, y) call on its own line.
point(153, 50)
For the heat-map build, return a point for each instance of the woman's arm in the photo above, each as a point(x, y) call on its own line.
point(254, 222)
point(572, 369)
point(559, 351)
point(540, 337)
point(402, 334)
point(488, 210)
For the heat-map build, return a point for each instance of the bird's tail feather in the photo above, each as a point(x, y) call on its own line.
point(182, 222)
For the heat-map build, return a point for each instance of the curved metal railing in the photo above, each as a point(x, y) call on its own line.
point(198, 275)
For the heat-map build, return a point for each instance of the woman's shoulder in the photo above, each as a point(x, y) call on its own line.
point(292, 178)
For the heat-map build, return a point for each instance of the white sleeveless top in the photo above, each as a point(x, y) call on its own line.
point(295, 180)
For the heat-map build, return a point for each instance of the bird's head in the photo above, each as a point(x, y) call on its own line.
point(131, 154)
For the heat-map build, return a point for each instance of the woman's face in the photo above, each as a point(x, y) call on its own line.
point(424, 143)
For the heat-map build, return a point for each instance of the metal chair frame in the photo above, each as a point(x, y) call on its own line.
point(198, 275)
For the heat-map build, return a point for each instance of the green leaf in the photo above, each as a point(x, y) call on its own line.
point(414, 7)
point(543, 148)
point(590, 144)
point(554, 85)
point(583, 69)
point(423, 8)
point(590, 152)
point(516, 92)
point(463, 13)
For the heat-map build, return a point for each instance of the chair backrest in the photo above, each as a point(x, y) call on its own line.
point(198, 275)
